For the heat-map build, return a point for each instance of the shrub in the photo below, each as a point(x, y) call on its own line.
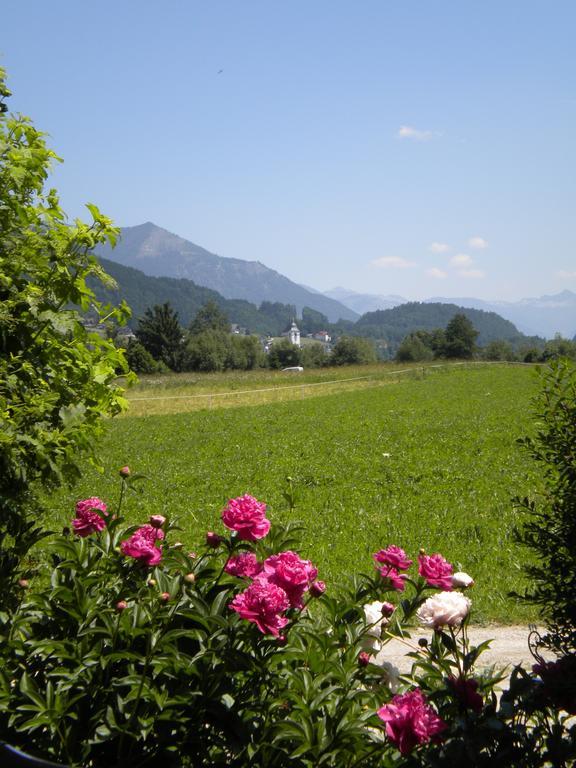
point(237, 655)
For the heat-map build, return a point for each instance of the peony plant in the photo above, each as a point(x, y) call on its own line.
point(139, 652)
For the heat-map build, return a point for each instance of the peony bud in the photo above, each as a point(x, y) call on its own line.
point(124, 472)
point(190, 578)
point(387, 610)
point(461, 580)
point(281, 640)
point(157, 521)
point(151, 582)
point(423, 642)
point(363, 659)
point(24, 583)
point(317, 588)
point(121, 605)
point(213, 539)
point(165, 597)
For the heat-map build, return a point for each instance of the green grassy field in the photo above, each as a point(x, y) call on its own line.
point(426, 462)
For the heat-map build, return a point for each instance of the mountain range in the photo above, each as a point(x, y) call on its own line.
point(167, 257)
point(542, 316)
point(159, 253)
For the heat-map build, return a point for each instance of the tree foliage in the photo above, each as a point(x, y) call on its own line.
point(353, 350)
point(57, 379)
point(209, 318)
point(160, 333)
point(284, 354)
point(460, 337)
point(550, 530)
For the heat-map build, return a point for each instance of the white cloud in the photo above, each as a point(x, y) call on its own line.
point(461, 260)
point(439, 247)
point(478, 242)
point(392, 262)
point(566, 273)
point(474, 274)
point(437, 273)
point(409, 132)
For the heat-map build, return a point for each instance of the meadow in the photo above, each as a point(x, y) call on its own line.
point(429, 460)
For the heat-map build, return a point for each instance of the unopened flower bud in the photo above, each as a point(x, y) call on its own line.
point(363, 659)
point(157, 521)
point(151, 582)
point(65, 531)
point(387, 610)
point(282, 640)
point(461, 580)
point(190, 578)
point(165, 597)
point(124, 472)
point(121, 605)
point(317, 588)
point(213, 539)
point(23, 583)
point(423, 642)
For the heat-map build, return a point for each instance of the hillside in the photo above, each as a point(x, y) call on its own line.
point(159, 253)
point(141, 291)
point(394, 324)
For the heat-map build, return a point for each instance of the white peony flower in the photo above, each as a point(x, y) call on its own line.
point(445, 609)
point(391, 674)
point(373, 614)
point(462, 580)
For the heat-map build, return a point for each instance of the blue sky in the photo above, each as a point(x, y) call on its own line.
point(421, 147)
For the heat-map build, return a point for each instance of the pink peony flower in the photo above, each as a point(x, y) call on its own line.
point(410, 721)
point(247, 516)
point(387, 610)
point(363, 659)
point(142, 545)
point(394, 557)
point(466, 691)
point(444, 609)
point(245, 565)
point(288, 571)
point(317, 588)
point(262, 603)
point(87, 519)
point(393, 579)
point(436, 570)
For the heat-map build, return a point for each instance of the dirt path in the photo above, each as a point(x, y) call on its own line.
point(508, 647)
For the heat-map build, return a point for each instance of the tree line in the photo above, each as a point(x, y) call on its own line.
point(162, 344)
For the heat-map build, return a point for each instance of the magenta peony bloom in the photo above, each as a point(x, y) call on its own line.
point(262, 603)
point(466, 691)
point(394, 557)
point(142, 545)
point(245, 565)
point(87, 519)
point(247, 516)
point(436, 570)
point(393, 579)
point(317, 588)
point(410, 721)
point(288, 571)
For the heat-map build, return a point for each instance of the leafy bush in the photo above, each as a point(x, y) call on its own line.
point(57, 378)
point(235, 656)
point(550, 529)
